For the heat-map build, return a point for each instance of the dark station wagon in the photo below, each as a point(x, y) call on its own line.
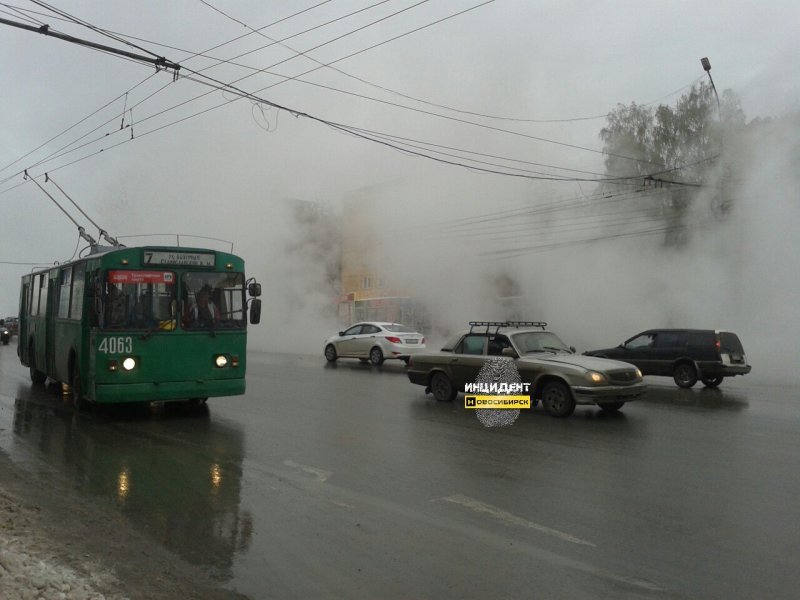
point(686, 355)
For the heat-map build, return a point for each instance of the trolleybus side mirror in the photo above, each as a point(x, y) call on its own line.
point(254, 289)
point(255, 311)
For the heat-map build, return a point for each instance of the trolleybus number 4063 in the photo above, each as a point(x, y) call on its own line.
point(116, 345)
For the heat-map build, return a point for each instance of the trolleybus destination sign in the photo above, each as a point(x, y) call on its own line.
point(191, 259)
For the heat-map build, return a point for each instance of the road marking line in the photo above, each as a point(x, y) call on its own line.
point(511, 519)
point(320, 474)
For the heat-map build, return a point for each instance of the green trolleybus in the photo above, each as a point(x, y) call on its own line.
point(140, 324)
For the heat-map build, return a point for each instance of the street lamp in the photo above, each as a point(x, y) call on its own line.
point(720, 204)
point(707, 68)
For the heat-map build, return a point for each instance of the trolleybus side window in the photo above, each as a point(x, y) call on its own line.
point(78, 282)
point(64, 292)
point(39, 296)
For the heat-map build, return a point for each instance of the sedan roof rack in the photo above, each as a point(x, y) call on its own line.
point(540, 324)
point(499, 324)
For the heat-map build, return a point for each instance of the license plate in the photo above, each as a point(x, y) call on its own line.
point(411, 340)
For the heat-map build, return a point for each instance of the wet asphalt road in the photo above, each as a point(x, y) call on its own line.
point(348, 481)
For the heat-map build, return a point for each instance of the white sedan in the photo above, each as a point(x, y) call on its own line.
point(374, 342)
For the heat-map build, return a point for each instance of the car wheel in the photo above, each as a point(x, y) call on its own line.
point(712, 382)
point(376, 356)
point(330, 353)
point(685, 375)
point(76, 387)
point(36, 375)
point(611, 406)
point(442, 388)
point(557, 400)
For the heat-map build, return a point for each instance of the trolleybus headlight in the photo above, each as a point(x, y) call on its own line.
point(221, 360)
point(129, 364)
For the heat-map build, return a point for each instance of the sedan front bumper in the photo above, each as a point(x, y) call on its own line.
point(607, 393)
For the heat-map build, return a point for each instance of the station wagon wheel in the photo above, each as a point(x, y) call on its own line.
point(557, 400)
point(442, 388)
point(330, 353)
point(712, 382)
point(611, 406)
point(685, 375)
point(376, 356)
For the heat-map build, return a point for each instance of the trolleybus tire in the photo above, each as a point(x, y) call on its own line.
point(36, 375)
point(76, 387)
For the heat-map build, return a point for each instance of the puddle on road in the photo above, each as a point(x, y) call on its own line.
point(175, 473)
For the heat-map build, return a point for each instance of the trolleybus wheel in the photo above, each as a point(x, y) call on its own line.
point(36, 375)
point(75, 385)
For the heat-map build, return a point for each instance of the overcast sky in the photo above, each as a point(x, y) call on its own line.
point(224, 172)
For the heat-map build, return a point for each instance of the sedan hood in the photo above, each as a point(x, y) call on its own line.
point(590, 363)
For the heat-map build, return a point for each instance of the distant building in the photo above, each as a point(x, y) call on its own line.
point(365, 294)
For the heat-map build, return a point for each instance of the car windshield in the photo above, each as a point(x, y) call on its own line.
point(538, 341)
point(397, 328)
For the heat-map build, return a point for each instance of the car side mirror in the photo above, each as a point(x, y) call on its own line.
point(255, 311)
point(341, 334)
point(510, 352)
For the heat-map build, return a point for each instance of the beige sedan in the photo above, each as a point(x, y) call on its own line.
point(555, 375)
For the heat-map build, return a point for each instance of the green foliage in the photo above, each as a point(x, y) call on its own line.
point(679, 143)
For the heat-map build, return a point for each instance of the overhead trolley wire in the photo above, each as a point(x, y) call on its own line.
point(353, 131)
point(428, 102)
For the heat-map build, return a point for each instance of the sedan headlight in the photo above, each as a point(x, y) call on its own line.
point(596, 377)
point(639, 373)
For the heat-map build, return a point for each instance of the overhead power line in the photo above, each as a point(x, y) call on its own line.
point(158, 62)
point(360, 133)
